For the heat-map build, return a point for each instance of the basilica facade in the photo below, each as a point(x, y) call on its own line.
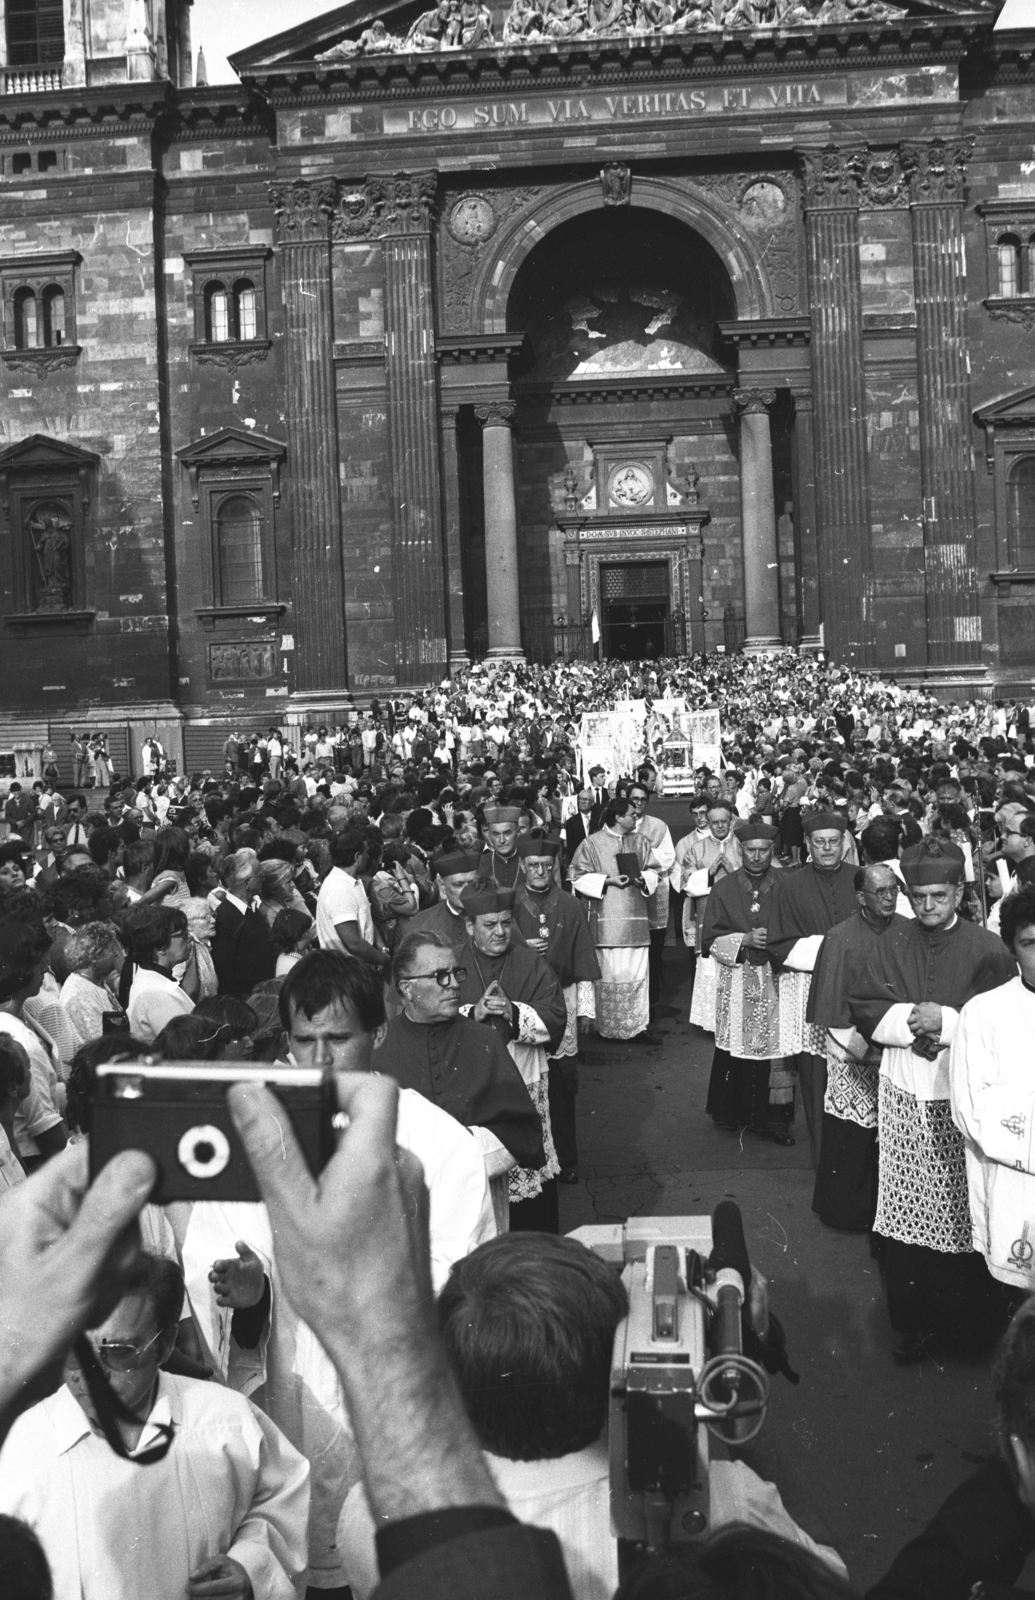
point(544, 328)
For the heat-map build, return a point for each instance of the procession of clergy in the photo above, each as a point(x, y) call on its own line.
point(846, 981)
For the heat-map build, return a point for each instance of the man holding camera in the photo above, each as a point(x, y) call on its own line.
point(332, 1009)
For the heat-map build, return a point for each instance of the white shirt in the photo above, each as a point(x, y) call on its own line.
point(301, 1391)
point(112, 1530)
point(992, 1094)
point(342, 899)
point(86, 1003)
point(154, 1000)
point(43, 1107)
point(571, 1496)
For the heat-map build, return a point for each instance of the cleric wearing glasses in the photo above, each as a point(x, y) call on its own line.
point(461, 1065)
point(219, 1510)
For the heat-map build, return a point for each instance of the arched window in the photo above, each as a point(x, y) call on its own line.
point(1008, 252)
point(245, 309)
point(53, 315)
point(1021, 486)
point(217, 314)
point(239, 550)
point(25, 328)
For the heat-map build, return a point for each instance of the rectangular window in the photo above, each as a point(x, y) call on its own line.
point(35, 32)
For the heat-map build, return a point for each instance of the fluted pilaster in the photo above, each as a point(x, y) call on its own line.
point(831, 179)
point(418, 557)
point(937, 176)
point(303, 212)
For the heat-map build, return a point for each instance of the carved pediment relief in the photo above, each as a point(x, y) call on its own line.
point(363, 30)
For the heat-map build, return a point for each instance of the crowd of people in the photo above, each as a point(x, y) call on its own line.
point(396, 1377)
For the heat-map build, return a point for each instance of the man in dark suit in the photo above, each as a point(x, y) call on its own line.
point(241, 948)
point(579, 826)
point(601, 795)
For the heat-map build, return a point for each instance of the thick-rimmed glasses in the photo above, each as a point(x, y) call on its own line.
point(122, 1357)
point(443, 976)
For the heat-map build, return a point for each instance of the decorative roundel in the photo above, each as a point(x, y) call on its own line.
point(472, 219)
point(631, 484)
point(204, 1151)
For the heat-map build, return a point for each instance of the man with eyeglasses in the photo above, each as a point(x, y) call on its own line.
point(222, 1512)
point(845, 1195)
point(454, 870)
point(458, 1064)
point(332, 1010)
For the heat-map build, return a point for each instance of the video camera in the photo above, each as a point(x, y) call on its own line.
point(678, 1371)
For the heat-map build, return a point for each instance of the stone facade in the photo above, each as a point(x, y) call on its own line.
point(401, 352)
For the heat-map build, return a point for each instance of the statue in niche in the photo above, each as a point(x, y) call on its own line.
point(50, 533)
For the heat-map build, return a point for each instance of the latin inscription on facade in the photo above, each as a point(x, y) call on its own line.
point(653, 105)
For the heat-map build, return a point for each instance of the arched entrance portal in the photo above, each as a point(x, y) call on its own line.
point(625, 439)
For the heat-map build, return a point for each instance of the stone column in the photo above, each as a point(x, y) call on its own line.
point(418, 563)
point(501, 554)
point(937, 176)
point(458, 656)
point(758, 522)
point(831, 179)
point(806, 551)
point(303, 212)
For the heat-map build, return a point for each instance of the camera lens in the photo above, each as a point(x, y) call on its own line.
point(204, 1151)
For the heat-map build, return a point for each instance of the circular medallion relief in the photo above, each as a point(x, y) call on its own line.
point(631, 484)
point(472, 220)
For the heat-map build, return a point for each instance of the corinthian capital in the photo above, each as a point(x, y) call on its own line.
point(407, 202)
point(937, 171)
point(303, 210)
point(753, 401)
point(831, 176)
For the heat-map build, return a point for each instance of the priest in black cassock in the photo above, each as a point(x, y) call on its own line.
point(461, 1065)
point(499, 860)
point(845, 1195)
point(554, 924)
point(747, 1013)
point(511, 988)
point(454, 870)
point(810, 901)
point(907, 999)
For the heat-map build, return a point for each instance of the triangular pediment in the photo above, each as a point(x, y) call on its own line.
point(38, 453)
point(1016, 408)
point(371, 28)
point(237, 445)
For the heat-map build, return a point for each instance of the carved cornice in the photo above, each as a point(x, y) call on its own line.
point(496, 413)
point(831, 177)
point(1020, 310)
point(754, 402)
point(303, 210)
point(42, 359)
point(937, 171)
point(231, 356)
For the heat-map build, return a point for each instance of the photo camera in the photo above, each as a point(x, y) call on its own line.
point(179, 1115)
point(678, 1371)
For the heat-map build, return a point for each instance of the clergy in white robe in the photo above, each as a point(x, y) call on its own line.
point(992, 1094)
point(111, 1529)
point(617, 911)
